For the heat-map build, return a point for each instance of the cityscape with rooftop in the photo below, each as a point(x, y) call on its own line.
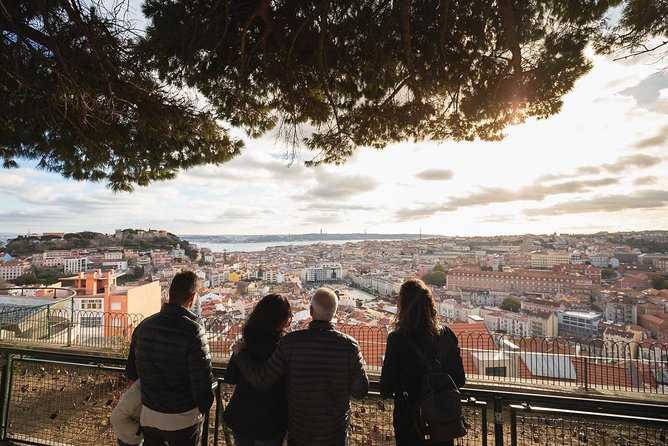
point(510, 154)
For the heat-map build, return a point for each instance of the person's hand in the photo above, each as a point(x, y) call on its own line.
point(238, 346)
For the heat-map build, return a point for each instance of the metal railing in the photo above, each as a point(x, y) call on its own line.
point(55, 398)
point(489, 359)
point(531, 425)
point(371, 421)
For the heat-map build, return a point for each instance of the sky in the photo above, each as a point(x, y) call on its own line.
point(601, 164)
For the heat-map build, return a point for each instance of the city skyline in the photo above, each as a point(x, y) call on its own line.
point(598, 165)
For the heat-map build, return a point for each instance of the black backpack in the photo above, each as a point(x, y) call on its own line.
point(437, 409)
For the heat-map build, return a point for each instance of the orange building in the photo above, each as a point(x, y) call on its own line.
point(104, 309)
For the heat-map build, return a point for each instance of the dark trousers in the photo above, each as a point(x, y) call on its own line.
point(248, 440)
point(344, 443)
point(190, 436)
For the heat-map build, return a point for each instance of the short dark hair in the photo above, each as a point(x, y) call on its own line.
point(183, 285)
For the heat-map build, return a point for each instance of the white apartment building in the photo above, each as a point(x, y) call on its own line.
point(11, 269)
point(621, 308)
point(273, 276)
point(603, 261)
point(325, 272)
point(50, 259)
point(451, 310)
point(543, 325)
point(578, 323)
point(380, 284)
point(75, 264)
point(113, 255)
point(118, 265)
point(484, 298)
point(515, 324)
point(214, 277)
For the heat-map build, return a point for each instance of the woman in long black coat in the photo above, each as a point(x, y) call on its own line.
point(417, 320)
point(259, 417)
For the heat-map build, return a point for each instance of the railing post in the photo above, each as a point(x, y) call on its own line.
point(48, 322)
point(5, 392)
point(513, 427)
point(498, 421)
point(71, 327)
point(586, 373)
point(218, 412)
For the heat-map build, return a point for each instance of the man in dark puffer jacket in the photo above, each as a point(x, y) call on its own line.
point(169, 352)
point(323, 368)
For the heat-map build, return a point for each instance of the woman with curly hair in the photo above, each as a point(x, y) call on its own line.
point(416, 322)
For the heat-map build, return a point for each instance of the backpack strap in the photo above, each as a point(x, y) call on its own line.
point(421, 356)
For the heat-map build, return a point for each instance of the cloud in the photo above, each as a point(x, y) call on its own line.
point(435, 175)
point(648, 199)
point(534, 192)
point(587, 170)
point(638, 161)
point(407, 214)
point(328, 218)
point(659, 139)
point(339, 187)
point(337, 207)
point(249, 167)
point(625, 163)
point(493, 195)
point(498, 219)
point(648, 91)
point(645, 181)
point(226, 216)
point(32, 216)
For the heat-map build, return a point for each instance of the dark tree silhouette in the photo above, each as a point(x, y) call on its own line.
point(78, 96)
point(85, 95)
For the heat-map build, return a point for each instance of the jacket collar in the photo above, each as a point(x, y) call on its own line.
point(176, 310)
point(321, 325)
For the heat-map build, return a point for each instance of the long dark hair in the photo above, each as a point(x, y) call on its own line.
point(416, 312)
point(268, 320)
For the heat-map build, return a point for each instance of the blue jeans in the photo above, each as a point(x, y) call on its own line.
point(248, 440)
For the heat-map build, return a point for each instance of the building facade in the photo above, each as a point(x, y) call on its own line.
point(517, 281)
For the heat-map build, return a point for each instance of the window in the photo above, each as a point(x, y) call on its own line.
point(91, 321)
point(91, 304)
point(495, 371)
point(116, 306)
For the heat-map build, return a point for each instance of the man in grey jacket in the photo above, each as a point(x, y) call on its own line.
point(169, 352)
point(322, 367)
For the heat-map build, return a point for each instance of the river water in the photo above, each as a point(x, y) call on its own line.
point(261, 246)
